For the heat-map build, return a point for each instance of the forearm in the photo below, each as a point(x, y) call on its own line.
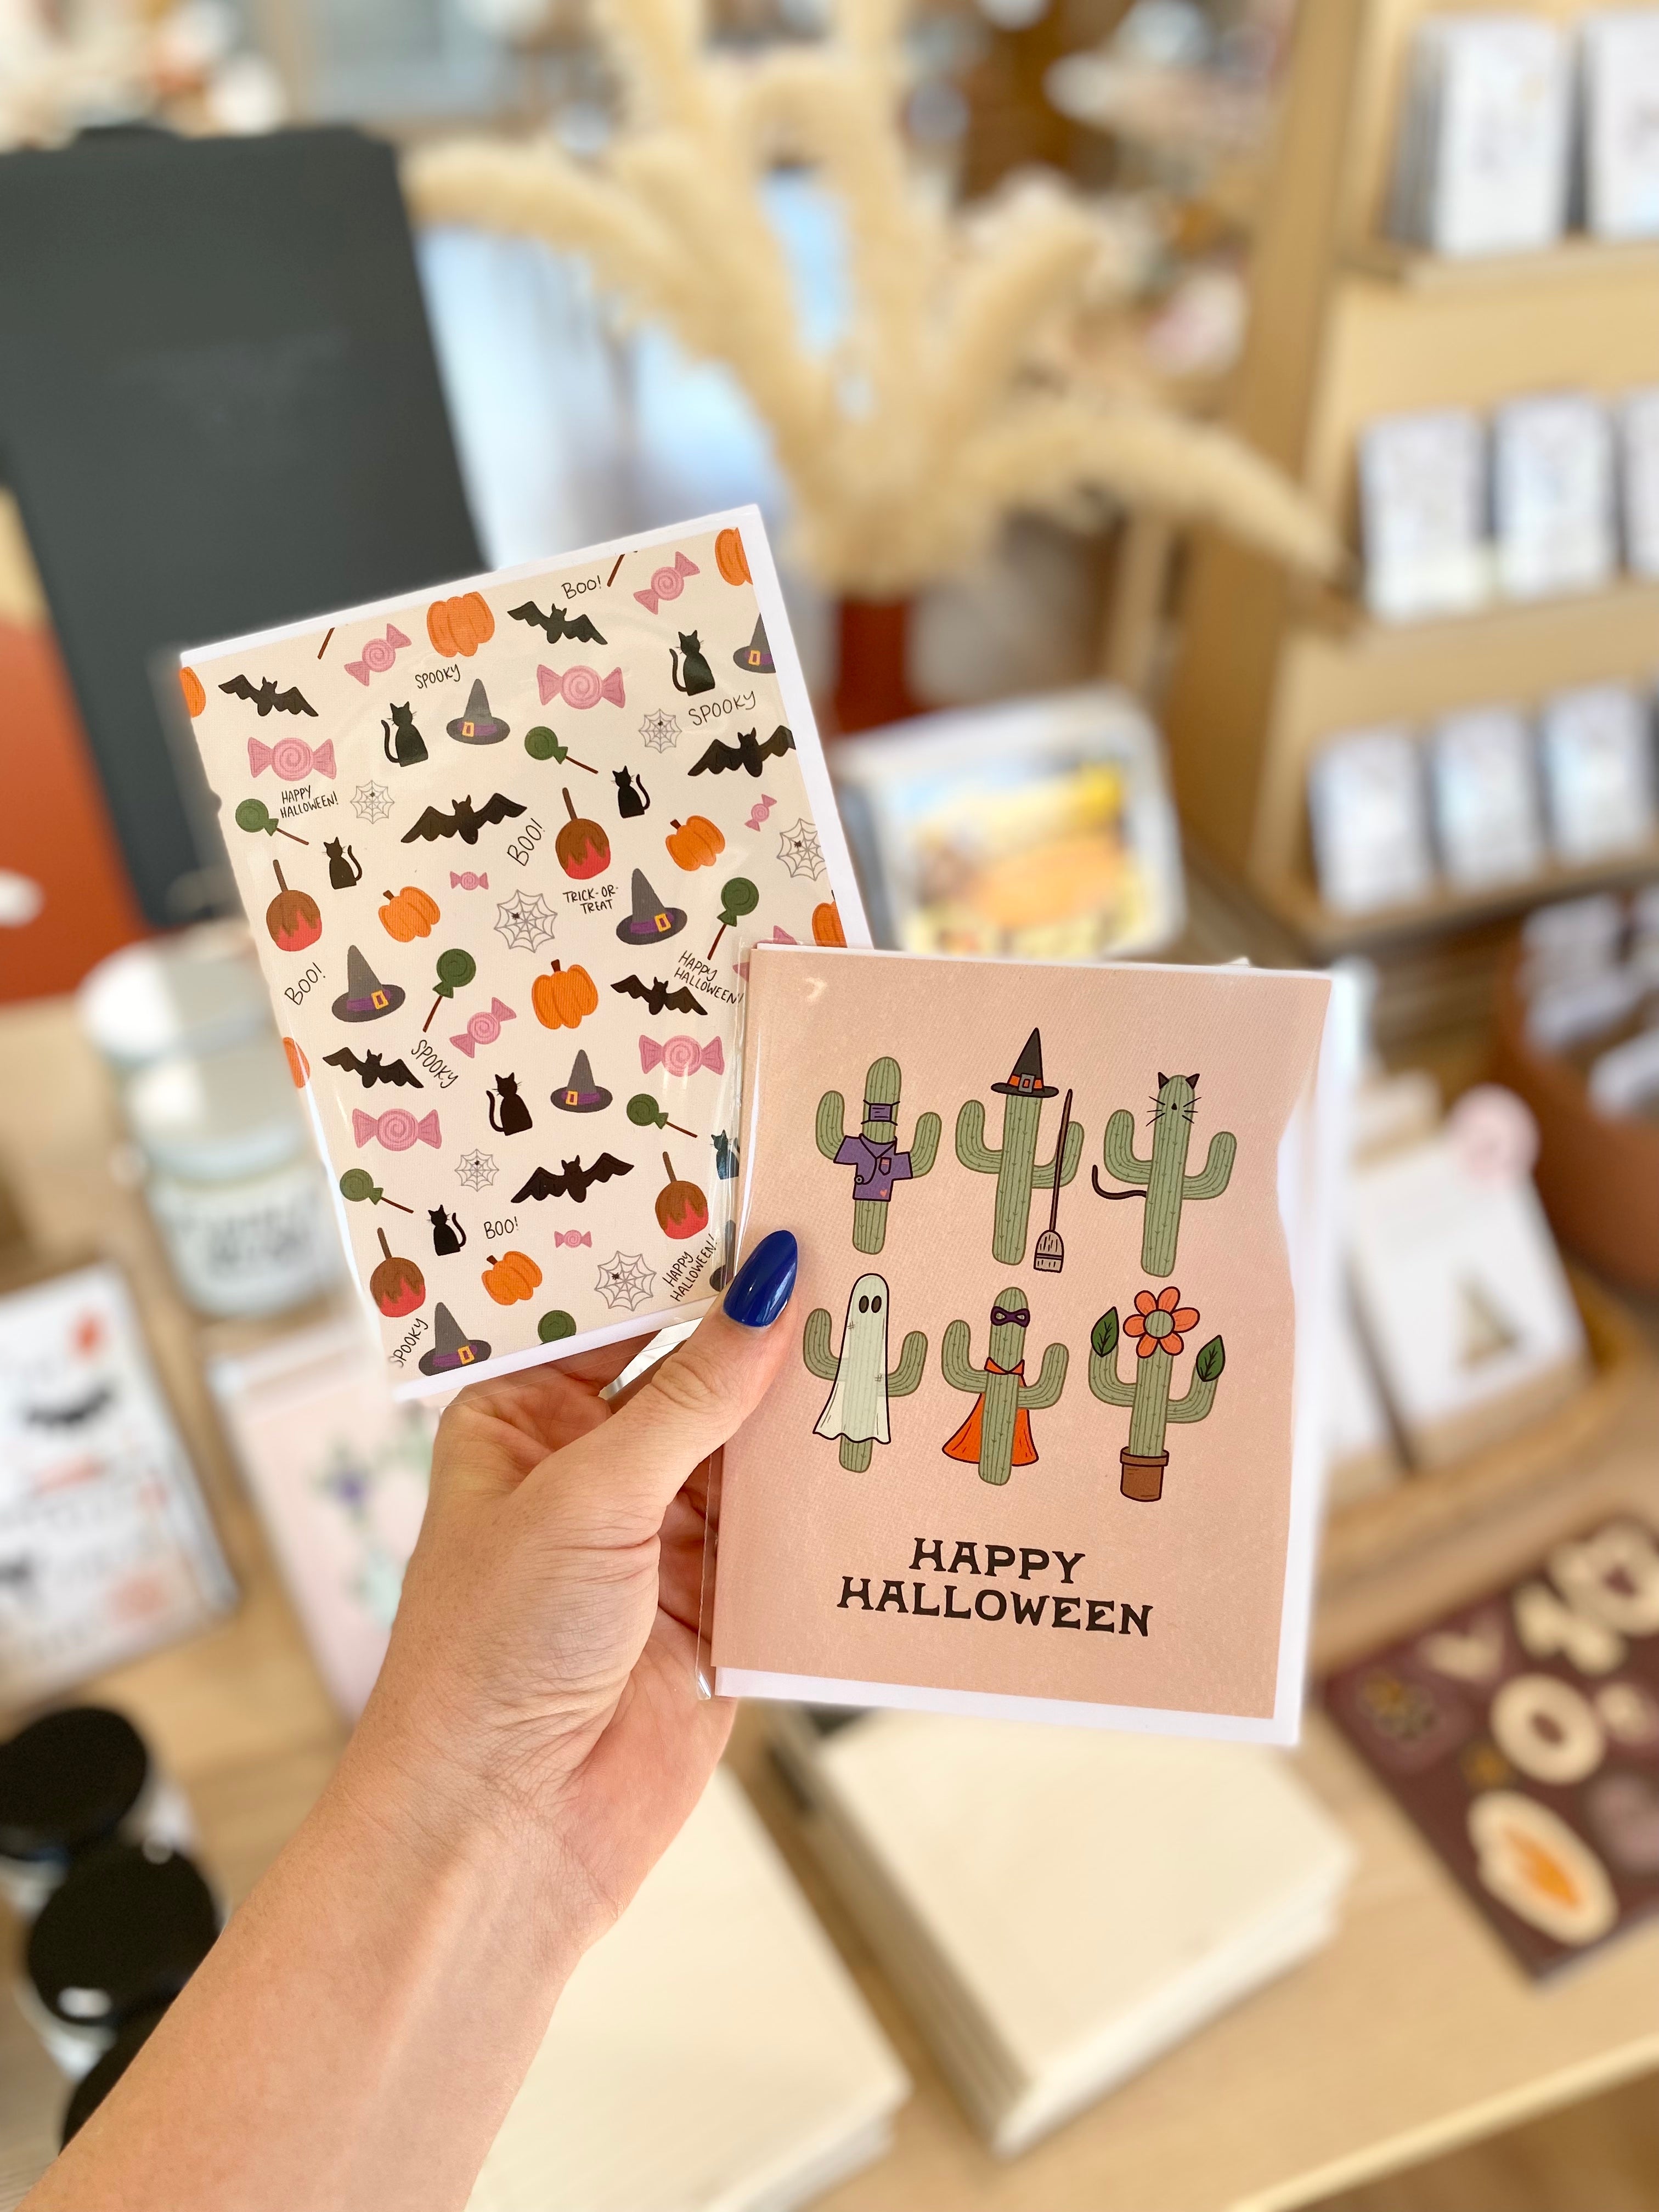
point(357, 2033)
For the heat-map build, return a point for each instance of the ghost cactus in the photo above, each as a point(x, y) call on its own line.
point(1015, 1165)
point(873, 1156)
point(1156, 1328)
point(860, 1382)
point(998, 1432)
point(1165, 1184)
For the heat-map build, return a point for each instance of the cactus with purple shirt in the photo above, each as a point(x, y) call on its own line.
point(874, 1153)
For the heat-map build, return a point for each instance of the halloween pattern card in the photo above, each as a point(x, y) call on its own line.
point(1520, 1733)
point(1041, 1447)
point(505, 848)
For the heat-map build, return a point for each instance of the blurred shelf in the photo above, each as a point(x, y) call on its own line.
point(1575, 259)
point(1344, 615)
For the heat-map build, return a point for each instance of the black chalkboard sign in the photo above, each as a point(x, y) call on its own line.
point(219, 410)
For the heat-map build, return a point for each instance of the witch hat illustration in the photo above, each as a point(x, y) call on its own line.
point(755, 659)
point(365, 998)
point(477, 726)
point(581, 1095)
point(1025, 1078)
point(651, 921)
point(451, 1346)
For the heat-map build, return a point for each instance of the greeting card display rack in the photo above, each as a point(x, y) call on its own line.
point(1345, 327)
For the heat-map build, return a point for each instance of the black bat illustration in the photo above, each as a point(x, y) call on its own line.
point(266, 697)
point(72, 1415)
point(745, 753)
point(370, 1070)
point(572, 1180)
point(657, 995)
point(463, 820)
point(556, 624)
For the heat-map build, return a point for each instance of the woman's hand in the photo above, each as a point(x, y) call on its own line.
point(542, 1666)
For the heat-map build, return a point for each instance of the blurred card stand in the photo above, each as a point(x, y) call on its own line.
point(1040, 828)
point(107, 1549)
point(219, 410)
point(1059, 1907)
point(339, 1475)
point(710, 2054)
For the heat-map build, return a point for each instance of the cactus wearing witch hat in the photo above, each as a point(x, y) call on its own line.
point(1015, 1165)
point(873, 1154)
point(860, 1379)
point(996, 1434)
point(1163, 1178)
point(1158, 1329)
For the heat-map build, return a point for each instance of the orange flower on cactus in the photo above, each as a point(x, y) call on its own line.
point(1160, 1322)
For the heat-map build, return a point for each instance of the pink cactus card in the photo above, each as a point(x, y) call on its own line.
point(505, 848)
point(1047, 1443)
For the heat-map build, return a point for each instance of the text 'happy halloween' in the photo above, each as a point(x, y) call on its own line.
point(1026, 1609)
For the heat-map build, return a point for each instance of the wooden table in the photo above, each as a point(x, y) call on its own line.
point(1410, 2034)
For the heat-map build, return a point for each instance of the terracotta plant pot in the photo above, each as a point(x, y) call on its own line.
point(1143, 1475)
point(871, 684)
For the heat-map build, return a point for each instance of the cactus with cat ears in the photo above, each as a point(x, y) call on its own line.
point(881, 1084)
point(1162, 1177)
point(1014, 1165)
point(1156, 1328)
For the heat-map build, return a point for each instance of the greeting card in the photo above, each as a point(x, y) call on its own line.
point(1553, 495)
point(1597, 748)
point(1482, 158)
point(1487, 818)
point(1423, 514)
point(1620, 67)
point(1045, 1444)
point(505, 848)
point(1369, 821)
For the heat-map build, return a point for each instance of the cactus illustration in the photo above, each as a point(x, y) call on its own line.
point(1164, 1183)
point(860, 1382)
point(998, 1432)
point(1158, 1329)
point(1015, 1165)
point(873, 1154)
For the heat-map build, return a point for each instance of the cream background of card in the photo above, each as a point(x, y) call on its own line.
point(102, 1509)
point(1086, 1899)
point(1597, 751)
point(1484, 779)
point(292, 1410)
point(710, 2054)
point(1621, 122)
point(1238, 1519)
point(619, 1215)
point(1370, 819)
point(1553, 495)
point(1639, 480)
point(1423, 497)
point(1500, 133)
point(1422, 1233)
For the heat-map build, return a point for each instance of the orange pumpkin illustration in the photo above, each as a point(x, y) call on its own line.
point(514, 1277)
point(826, 924)
point(397, 1287)
point(730, 558)
point(409, 912)
point(459, 625)
point(563, 997)
point(294, 918)
point(694, 843)
point(682, 1209)
point(298, 1065)
point(195, 698)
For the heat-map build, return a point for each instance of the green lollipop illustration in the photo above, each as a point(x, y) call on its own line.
point(644, 1113)
point(358, 1183)
point(737, 898)
point(253, 814)
point(455, 969)
point(541, 744)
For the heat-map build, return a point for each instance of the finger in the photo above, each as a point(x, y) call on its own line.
point(690, 1403)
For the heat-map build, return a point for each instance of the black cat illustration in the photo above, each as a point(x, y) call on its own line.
point(632, 797)
point(447, 1234)
point(725, 1157)
point(401, 742)
point(698, 676)
point(515, 1115)
point(344, 868)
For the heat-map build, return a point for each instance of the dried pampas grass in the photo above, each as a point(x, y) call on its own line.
point(937, 410)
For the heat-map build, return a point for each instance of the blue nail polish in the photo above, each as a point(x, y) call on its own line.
point(760, 1289)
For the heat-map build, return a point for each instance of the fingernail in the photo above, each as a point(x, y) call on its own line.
point(760, 1289)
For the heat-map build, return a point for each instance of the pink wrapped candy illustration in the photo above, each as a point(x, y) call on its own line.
point(681, 1055)
point(379, 654)
point(396, 1128)
point(292, 758)
point(580, 686)
point(667, 583)
point(484, 1028)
